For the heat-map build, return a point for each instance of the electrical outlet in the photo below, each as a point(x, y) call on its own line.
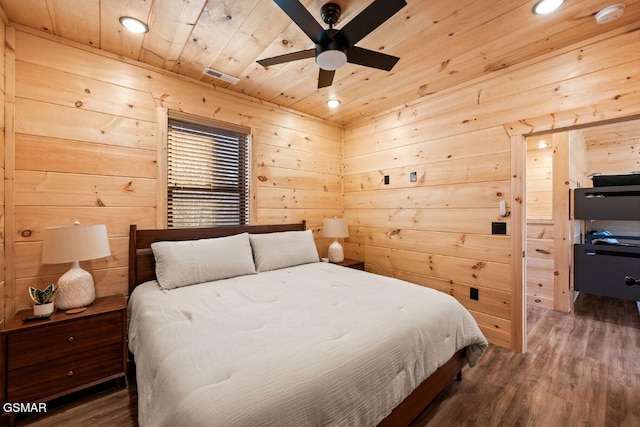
point(413, 177)
point(386, 180)
point(474, 293)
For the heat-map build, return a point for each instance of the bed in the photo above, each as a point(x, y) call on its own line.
point(294, 342)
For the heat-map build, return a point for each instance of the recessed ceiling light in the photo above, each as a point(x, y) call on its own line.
point(545, 7)
point(134, 25)
point(333, 103)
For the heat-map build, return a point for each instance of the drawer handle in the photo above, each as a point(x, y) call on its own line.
point(70, 339)
point(70, 373)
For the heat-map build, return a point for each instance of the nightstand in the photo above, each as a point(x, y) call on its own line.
point(352, 263)
point(46, 359)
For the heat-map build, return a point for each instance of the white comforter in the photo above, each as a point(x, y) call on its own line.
point(311, 345)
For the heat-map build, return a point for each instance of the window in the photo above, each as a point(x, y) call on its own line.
point(208, 174)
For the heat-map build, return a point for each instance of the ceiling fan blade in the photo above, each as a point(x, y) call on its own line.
point(371, 58)
point(303, 19)
point(325, 78)
point(287, 57)
point(370, 19)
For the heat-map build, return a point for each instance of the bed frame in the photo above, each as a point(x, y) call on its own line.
point(142, 269)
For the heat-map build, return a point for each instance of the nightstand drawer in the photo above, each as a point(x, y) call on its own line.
point(62, 339)
point(27, 384)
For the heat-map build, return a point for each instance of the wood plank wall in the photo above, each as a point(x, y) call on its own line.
point(577, 179)
point(579, 152)
point(89, 139)
point(540, 230)
point(562, 242)
point(540, 262)
point(539, 179)
point(436, 231)
point(611, 154)
point(550, 170)
point(3, 285)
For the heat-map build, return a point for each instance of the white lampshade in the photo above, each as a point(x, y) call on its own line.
point(74, 244)
point(335, 227)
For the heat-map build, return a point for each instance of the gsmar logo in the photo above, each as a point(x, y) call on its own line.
point(24, 407)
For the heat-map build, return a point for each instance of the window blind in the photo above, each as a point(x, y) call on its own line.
point(208, 175)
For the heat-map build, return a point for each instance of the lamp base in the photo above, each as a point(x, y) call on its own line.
point(336, 254)
point(75, 288)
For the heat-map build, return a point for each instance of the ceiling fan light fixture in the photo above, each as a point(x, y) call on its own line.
point(545, 7)
point(134, 25)
point(331, 60)
point(333, 103)
point(335, 47)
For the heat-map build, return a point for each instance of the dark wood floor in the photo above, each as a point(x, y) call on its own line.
point(581, 370)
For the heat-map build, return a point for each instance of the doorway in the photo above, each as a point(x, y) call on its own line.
point(555, 163)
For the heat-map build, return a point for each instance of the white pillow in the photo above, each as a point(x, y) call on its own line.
point(272, 251)
point(196, 261)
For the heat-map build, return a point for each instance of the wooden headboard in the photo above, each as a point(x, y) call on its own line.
point(142, 266)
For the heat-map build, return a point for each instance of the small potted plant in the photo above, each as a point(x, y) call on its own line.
point(42, 304)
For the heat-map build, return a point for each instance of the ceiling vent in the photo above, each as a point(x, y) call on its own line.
point(220, 75)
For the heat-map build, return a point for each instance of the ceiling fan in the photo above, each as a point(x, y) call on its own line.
point(334, 48)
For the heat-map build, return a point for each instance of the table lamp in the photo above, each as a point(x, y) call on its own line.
point(75, 244)
point(335, 228)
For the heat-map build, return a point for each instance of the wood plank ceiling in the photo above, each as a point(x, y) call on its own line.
point(442, 43)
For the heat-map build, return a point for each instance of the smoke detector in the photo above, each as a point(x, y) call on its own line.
point(220, 75)
point(610, 13)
